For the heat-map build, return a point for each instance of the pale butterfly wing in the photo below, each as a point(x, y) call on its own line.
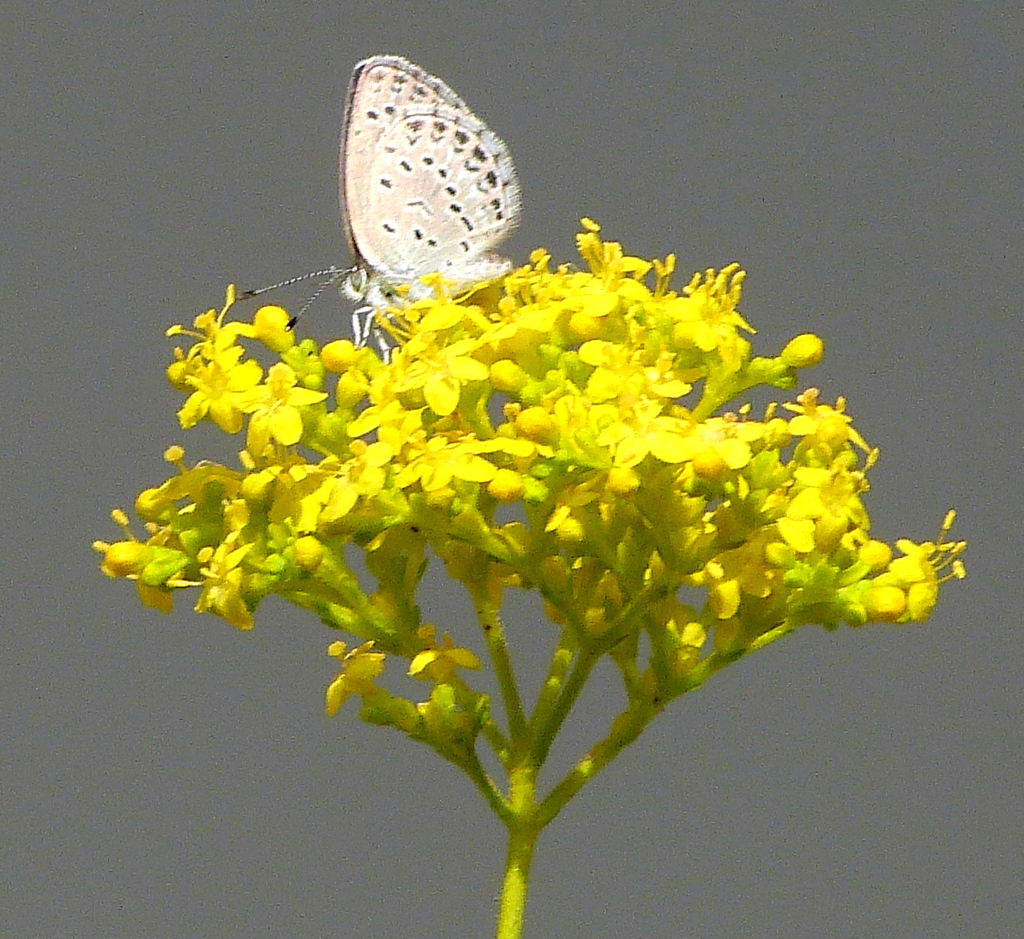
point(425, 185)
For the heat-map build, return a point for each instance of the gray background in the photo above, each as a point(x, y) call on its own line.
point(167, 776)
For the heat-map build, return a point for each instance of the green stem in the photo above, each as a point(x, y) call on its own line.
point(494, 635)
point(545, 726)
point(554, 682)
point(626, 729)
point(523, 831)
point(472, 767)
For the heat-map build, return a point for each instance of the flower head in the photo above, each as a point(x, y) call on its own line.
point(580, 433)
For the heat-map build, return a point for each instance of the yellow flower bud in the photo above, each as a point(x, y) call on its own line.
point(535, 424)
point(876, 554)
point(270, 326)
point(507, 376)
point(124, 558)
point(256, 487)
point(352, 387)
point(803, 351)
point(506, 485)
point(708, 464)
point(885, 604)
point(309, 552)
point(337, 356)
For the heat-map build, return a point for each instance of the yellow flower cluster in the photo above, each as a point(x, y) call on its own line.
point(569, 437)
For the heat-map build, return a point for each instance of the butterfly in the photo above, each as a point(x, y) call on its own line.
point(425, 186)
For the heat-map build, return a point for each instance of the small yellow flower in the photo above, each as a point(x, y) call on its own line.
point(441, 373)
point(224, 584)
point(706, 316)
point(214, 369)
point(823, 424)
point(360, 668)
point(220, 385)
point(438, 664)
point(276, 409)
point(830, 499)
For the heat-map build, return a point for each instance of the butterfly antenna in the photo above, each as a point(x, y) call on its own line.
point(309, 301)
point(335, 273)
